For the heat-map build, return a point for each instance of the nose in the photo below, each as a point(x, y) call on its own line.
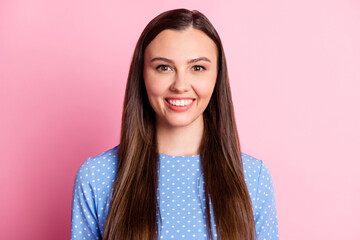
point(180, 83)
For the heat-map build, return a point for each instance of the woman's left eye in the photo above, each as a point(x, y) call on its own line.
point(198, 68)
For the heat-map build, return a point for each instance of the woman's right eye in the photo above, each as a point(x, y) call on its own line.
point(163, 68)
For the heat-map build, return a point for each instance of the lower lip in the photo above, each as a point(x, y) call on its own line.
point(179, 108)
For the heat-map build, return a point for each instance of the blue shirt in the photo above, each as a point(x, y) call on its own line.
point(181, 197)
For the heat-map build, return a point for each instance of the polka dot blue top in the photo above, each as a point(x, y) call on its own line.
point(181, 197)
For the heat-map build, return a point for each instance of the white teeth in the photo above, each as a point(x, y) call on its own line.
point(180, 102)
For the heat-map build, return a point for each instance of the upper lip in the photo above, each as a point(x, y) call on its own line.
point(180, 98)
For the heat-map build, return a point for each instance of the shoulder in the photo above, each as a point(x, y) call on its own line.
point(254, 168)
point(261, 189)
point(92, 186)
point(98, 171)
point(257, 176)
point(95, 177)
point(103, 162)
point(250, 162)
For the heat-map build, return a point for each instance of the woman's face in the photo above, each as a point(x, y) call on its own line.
point(180, 71)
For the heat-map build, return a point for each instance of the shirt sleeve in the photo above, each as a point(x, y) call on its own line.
point(84, 223)
point(265, 208)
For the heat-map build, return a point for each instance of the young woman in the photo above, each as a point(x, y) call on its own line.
point(178, 172)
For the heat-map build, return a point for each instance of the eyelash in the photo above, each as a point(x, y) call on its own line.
point(203, 68)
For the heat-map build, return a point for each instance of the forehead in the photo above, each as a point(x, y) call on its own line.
point(181, 45)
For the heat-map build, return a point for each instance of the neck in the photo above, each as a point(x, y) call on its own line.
point(180, 141)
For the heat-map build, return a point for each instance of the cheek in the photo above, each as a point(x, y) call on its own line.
point(154, 88)
point(152, 95)
point(205, 88)
point(150, 84)
point(154, 91)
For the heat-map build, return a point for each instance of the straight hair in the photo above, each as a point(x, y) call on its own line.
point(134, 210)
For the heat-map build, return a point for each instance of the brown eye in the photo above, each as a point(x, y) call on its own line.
point(198, 68)
point(163, 68)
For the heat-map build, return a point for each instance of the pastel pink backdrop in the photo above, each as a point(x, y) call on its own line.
point(294, 68)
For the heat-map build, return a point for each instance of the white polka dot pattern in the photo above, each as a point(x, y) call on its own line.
point(180, 196)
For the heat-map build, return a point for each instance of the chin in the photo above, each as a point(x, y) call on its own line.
point(179, 123)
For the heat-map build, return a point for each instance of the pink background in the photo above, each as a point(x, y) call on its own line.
point(295, 74)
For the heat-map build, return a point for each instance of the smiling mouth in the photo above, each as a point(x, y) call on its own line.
point(179, 103)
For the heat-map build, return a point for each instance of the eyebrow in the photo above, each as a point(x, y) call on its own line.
point(190, 61)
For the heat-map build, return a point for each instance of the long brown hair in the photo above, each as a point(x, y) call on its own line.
point(134, 209)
